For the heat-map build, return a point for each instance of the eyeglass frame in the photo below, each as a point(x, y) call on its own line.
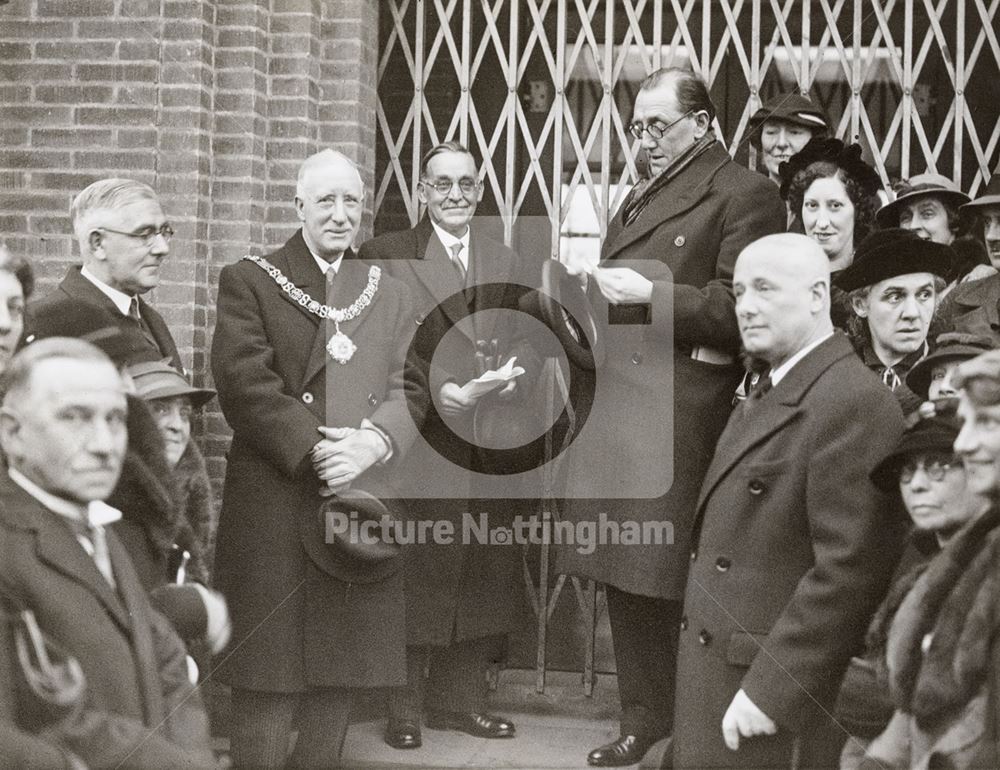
point(476, 184)
point(637, 129)
point(166, 231)
point(936, 469)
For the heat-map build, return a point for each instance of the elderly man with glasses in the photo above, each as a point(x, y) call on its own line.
point(663, 281)
point(124, 238)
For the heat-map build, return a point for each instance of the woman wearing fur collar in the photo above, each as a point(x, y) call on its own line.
point(941, 646)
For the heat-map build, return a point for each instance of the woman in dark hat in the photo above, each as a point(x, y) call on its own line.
point(939, 636)
point(929, 205)
point(931, 377)
point(782, 127)
point(930, 480)
point(893, 285)
point(985, 213)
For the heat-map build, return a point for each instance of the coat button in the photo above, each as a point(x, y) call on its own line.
point(637, 358)
point(684, 623)
point(307, 398)
point(723, 564)
point(372, 400)
point(679, 240)
point(694, 555)
point(756, 487)
point(704, 638)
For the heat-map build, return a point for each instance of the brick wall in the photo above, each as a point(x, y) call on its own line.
point(214, 104)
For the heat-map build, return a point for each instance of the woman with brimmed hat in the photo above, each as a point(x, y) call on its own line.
point(893, 286)
point(782, 127)
point(931, 377)
point(929, 205)
point(985, 210)
point(940, 639)
point(930, 481)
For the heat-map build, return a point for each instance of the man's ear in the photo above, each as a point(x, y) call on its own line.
point(704, 123)
point(422, 192)
point(298, 209)
point(820, 290)
point(95, 240)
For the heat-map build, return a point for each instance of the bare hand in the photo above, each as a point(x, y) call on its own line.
point(744, 718)
point(623, 285)
point(453, 401)
point(344, 455)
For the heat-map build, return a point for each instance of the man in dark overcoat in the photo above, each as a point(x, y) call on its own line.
point(63, 432)
point(795, 545)
point(124, 238)
point(662, 293)
point(461, 597)
point(315, 405)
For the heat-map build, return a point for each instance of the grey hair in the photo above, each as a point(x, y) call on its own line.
point(104, 195)
point(437, 149)
point(16, 378)
point(327, 154)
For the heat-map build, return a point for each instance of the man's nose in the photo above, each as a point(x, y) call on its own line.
point(160, 245)
point(102, 437)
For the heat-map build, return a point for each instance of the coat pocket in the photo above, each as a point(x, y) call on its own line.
point(743, 648)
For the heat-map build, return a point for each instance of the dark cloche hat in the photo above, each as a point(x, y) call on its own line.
point(844, 156)
point(950, 346)
point(935, 432)
point(937, 185)
point(788, 108)
point(888, 253)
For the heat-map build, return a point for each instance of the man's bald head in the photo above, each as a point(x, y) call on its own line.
point(782, 287)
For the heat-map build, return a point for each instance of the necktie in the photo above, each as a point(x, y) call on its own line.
point(762, 386)
point(133, 313)
point(331, 276)
point(95, 536)
point(456, 261)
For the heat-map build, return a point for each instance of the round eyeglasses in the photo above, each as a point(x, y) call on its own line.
point(655, 130)
point(443, 186)
point(146, 234)
point(936, 470)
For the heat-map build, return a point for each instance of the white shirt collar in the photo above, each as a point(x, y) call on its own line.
point(122, 300)
point(448, 240)
point(323, 265)
point(98, 513)
point(777, 375)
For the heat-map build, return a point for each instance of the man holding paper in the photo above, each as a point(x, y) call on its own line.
point(461, 597)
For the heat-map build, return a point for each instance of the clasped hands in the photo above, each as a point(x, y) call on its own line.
point(619, 285)
point(343, 454)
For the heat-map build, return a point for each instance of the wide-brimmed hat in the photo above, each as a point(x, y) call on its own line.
point(85, 321)
point(360, 555)
point(937, 185)
point(950, 346)
point(934, 433)
point(888, 253)
point(158, 379)
point(788, 108)
point(990, 196)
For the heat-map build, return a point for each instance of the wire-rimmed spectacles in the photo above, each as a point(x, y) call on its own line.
point(935, 468)
point(443, 186)
point(655, 130)
point(146, 234)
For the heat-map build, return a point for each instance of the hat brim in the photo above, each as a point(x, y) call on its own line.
point(918, 379)
point(756, 123)
point(888, 215)
point(199, 396)
point(983, 202)
point(885, 475)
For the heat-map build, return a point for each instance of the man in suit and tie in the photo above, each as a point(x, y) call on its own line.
point(124, 237)
point(63, 432)
point(794, 545)
point(309, 362)
point(461, 598)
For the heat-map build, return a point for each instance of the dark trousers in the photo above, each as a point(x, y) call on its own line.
point(455, 678)
point(644, 631)
point(262, 722)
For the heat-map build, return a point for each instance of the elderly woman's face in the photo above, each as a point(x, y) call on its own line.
point(11, 316)
point(898, 311)
point(935, 493)
point(173, 416)
point(928, 218)
point(828, 217)
point(779, 141)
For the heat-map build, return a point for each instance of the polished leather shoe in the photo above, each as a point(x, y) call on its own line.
point(625, 750)
point(479, 725)
point(403, 734)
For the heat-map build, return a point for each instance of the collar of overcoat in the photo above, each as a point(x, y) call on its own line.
point(681, 194)
point(772, 412)
point(57, 547)
point(296, 261)
point(433, 268)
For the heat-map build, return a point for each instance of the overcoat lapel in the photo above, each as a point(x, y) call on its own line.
point(679, 195)
point(433, 269)
point(781, 405)
point(488, 266)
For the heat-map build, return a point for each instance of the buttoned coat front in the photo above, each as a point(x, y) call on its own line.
point(297, 623)
point(795, 551)
point(459, 590)
point(658, 411)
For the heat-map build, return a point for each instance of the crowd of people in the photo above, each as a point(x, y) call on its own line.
point(812, 360)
